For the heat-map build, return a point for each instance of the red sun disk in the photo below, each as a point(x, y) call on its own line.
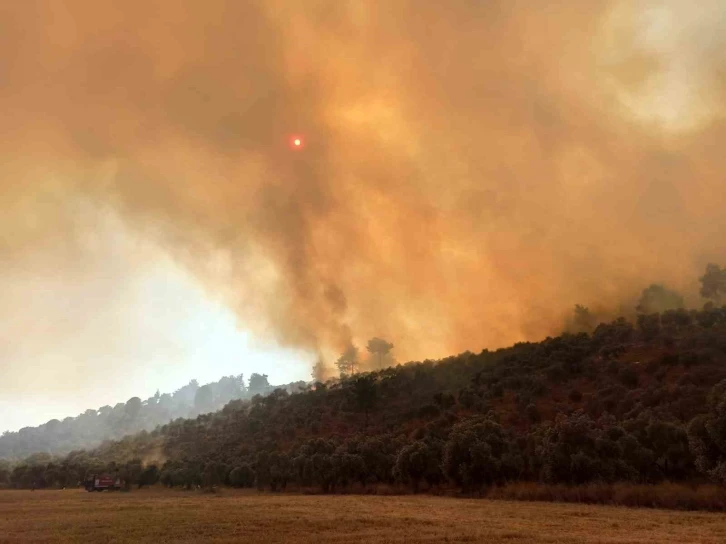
point(297, 142)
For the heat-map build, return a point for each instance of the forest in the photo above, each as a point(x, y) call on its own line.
point(641, 401)
point(93, 426)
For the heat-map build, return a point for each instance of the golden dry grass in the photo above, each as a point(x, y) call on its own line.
point(673, 496)
point(173, 516)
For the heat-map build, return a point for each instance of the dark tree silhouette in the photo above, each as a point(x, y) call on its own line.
point(258, 383)
point(707, 436)
point(582, 320)
point(379, 348)
point(133, 407)
point(348, 361)
point(318, 373)
point(713, 283)
point(204, 399)
point(365, 394)
point(658, 298)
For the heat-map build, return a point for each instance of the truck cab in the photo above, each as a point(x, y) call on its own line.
point(101, 482)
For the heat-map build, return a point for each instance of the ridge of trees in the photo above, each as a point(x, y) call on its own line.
point(93, 426)
point(641, 400)
point(635, 402)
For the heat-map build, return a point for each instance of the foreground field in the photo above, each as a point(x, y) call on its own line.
point(175, 516)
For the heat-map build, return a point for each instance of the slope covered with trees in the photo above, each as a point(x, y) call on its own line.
point(641, 400)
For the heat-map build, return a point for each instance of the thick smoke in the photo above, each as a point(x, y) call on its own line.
point(471, 169)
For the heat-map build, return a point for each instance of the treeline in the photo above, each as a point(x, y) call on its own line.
point(640, 400)
point(632, 402)
point(94, 426)
point(655, 299)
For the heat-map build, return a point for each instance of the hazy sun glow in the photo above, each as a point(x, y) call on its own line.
point(139, 328)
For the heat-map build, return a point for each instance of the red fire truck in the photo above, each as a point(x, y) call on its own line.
point(99, 482)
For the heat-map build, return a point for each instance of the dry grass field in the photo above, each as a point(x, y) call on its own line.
point(174, 516)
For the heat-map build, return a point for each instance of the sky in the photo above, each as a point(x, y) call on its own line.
point(470, 171)
point(120, 331)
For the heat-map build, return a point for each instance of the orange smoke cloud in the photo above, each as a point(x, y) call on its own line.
point(470, 169)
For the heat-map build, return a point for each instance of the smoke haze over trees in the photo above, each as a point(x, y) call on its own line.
point(89, 429)
point(624, 404)
point(94, 426)
point(627, 403)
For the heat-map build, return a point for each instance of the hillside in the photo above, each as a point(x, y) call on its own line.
point(93, 426)
point(636, 402)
